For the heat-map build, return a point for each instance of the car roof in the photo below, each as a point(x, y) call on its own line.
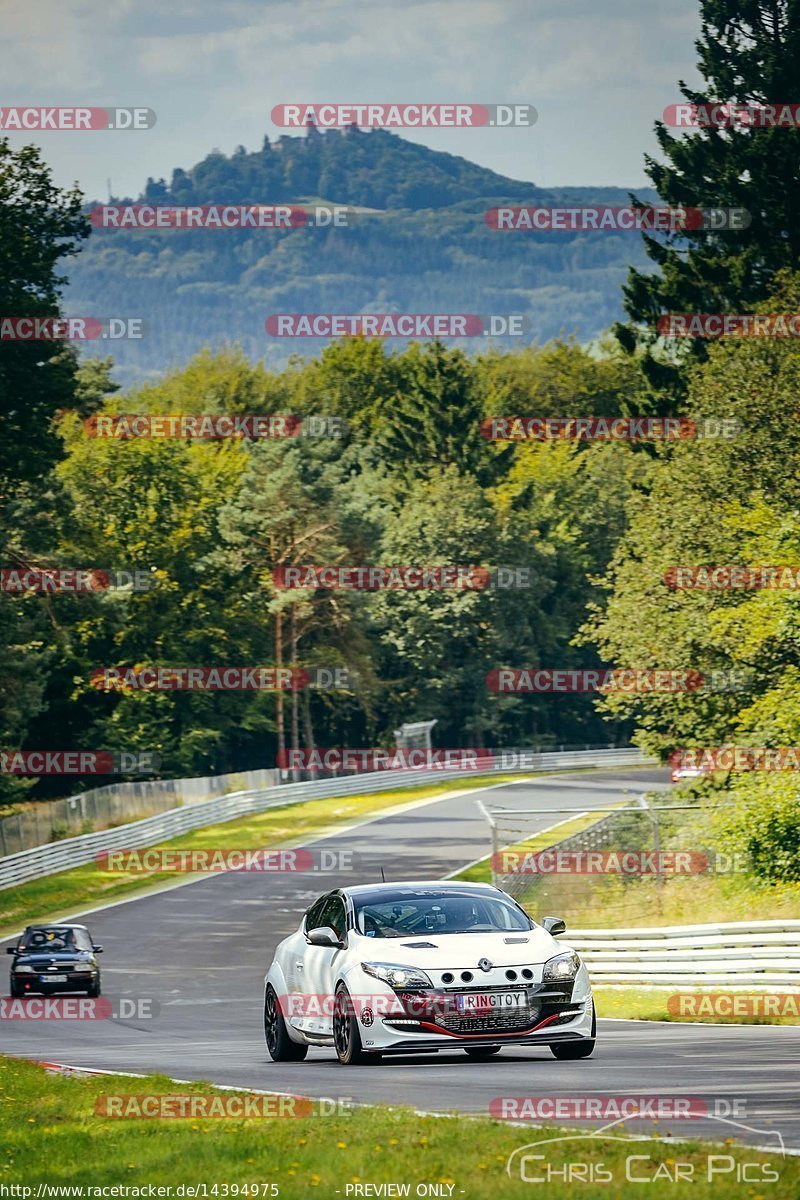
point(375, 889)
point(54, 925)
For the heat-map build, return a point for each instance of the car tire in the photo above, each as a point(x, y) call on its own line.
point(480, 1052)
point(280, 1046)
point(346, 1037)
point(94, 990)
point(569, 1051)
point(16, 990)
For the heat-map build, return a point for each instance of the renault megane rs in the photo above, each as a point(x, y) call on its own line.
point(417, 967)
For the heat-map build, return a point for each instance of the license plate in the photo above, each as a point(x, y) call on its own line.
point(484, 1002)
point(53, 978)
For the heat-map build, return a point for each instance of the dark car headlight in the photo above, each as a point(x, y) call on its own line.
point(562, 967)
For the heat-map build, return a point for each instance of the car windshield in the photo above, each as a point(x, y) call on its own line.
point(55, 939)
point(409, 913)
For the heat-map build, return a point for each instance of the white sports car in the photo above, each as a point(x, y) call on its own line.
point(398, 968)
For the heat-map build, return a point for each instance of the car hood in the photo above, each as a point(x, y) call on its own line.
point(55, 956)
point(464, 950)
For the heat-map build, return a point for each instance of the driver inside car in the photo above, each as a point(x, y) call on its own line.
point(460, 916)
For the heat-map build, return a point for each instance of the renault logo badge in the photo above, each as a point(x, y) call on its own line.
point(486, 964)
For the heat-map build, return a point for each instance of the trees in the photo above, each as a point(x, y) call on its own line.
point(713, 502)
point(39, 225)
point(748, 53)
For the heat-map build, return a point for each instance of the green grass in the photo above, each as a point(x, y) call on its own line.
point(650, 1004)
point(51, 1134)
point(57, 895)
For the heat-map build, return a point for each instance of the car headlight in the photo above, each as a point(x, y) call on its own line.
point(83, 967)
point(397, 975)
point(563, 966)
point(23, 970)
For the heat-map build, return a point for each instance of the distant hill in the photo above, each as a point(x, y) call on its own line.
point(425, 247)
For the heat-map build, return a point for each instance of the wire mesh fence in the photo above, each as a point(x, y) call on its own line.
point(592, 866)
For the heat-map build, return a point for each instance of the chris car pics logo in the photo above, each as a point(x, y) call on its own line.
point(595, 1158)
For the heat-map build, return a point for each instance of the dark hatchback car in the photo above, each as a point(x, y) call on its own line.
point(55, 958)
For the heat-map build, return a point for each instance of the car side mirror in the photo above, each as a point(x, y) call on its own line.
point(554, 925)
point(11, 949)
point(324, 937)
point(97, 949)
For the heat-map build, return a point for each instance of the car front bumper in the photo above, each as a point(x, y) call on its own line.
point(404, 1022)
point(36, 985)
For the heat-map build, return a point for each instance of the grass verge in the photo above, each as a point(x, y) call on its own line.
point(651, 1004)
point(51, 1135)
point(57, 895)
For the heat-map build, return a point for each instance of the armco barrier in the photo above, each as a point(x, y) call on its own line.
point(761, 954)
point(115, 803)
point(151, 831)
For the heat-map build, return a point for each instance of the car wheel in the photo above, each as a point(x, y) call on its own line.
point(481, 1051)
point(16, 990)
point(571, 1050)
point(93, 990)
point(280, 1046)
point(346, 1037)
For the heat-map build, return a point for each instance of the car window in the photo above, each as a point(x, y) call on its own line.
point(334, 915)
point(55, 939)
point(314, 914)
point(443, 912)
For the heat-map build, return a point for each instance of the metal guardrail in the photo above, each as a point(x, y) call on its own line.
point(755, 953)
point(41, 821)
point(53, 857)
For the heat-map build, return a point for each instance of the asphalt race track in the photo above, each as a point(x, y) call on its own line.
point(201, 950)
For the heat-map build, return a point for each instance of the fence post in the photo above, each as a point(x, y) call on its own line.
point(495, 845)
point(654, 821)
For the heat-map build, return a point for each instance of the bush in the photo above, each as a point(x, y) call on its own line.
point(765, 826)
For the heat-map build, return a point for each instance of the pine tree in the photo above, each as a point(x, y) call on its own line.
point(749, 54)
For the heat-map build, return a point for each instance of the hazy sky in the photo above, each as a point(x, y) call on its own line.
point(598, 71)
